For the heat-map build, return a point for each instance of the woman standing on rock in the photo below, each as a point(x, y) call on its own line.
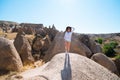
point(67, 38)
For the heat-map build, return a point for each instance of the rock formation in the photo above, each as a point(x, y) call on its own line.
point(69, 67)
point(30, 28)
point(40, 45)
point(23, 47)
point(9, 58)
point(94, 47)
point(105, 61)
point(117, 63)
point(57, 46)
point(8, 25)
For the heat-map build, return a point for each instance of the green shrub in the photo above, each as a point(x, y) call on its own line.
point(117, 57)
point(99, 40)
point(108, 48)
point(113, 44)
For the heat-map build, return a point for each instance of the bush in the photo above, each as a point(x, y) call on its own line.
point(108, 48)
point(99, 40)
point(113, 44)
point(117, 57)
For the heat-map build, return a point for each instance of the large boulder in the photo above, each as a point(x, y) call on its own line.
point(46, 44)
point(79, 47)
point(9, 58)
point(37, 44)
point(58, 46)
point(23, 47)
point(117, 62)
point(40, 45)
point(68, 67)
point(105, 61)
point(92, 45)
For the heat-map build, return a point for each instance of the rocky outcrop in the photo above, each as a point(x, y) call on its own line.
point(109, 35)
point(106, 37)
point(117, 63)
point(105, 61)
point(8, 25)
point(57, 46)
point(79, 47)
point(69, 67)
point(37, 44)
point(51, 32)
point(46, 44)
point(23, 47)
point(92, 45)
point(30, 28)
point(9, 58)
point(40, 45)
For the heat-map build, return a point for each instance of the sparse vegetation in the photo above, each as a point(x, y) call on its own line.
point(108, 48)
point(117, 57)
point(99, 40)
point(7, 74)
point(11, 36)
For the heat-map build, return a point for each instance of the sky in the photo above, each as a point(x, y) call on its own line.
point(86, 16)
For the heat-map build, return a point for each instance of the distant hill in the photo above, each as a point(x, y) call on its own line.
point(8, 23)
point(108, 35)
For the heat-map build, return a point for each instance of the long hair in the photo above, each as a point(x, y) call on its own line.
point(68, 27)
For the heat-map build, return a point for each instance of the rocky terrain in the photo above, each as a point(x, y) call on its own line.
point(68, 67)
point(110, 36)
point(86, 61)
point(7, 26)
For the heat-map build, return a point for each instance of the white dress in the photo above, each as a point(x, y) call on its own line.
point(68, 36)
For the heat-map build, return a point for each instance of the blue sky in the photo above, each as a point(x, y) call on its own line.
point(86, 16)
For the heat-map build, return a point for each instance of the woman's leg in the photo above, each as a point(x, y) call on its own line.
point(68, 46)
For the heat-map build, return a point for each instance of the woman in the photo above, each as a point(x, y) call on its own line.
point(67, 38)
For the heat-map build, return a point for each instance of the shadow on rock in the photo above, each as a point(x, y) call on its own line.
point(66, 72)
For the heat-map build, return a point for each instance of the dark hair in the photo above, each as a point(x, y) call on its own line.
point(68, 27)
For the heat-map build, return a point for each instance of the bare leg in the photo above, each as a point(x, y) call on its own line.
point(65, 46)
point(68, 46)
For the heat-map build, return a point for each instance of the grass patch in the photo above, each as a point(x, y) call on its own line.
point(117, 57)
point(5, 75)
point(11, 36)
